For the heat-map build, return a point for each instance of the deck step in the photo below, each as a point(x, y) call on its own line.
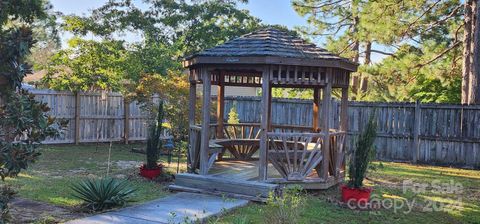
point(220, 185)
point(174, 187)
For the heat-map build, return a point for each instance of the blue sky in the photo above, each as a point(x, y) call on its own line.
point(279, 13)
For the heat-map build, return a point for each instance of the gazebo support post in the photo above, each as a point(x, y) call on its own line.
point(192, 103)
point(269, 108)
point(220, 110)
point(343, 110)
point(327, 96)
point(316, 108)
point(220, 105)
point(262, 168)
point(205, 136)
point(344, 120)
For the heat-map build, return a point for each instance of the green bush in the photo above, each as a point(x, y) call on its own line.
point(24, 124)
point(6, 193)
point(101, 194)
point(286, 208)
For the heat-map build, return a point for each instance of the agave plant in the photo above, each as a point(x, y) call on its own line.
point(104, 193)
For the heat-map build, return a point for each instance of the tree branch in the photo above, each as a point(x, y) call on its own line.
point(348, 46)
point(323, 4)
point(421, 16)
point(452, 14)
point(425, 12)
point(454, 45)
point(384, 53)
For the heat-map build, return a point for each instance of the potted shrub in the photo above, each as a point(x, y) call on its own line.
point(151, 169)
point(358, 165)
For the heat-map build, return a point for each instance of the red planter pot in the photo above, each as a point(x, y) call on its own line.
point(359, 195)
point(150, 173)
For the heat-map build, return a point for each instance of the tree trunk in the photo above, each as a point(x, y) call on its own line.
point(356, 43)
point(356, 55)
point(368, 53)
point(467, 39)
point(364, 79)
point(475, 70)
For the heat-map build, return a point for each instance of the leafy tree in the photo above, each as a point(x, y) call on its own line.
point(169, 29)
point(88, 65)
point(173, 89)
point(151, 58)
point(24, 125)
point(292, 93)
point(16, 37)
point(24, 122)
point(394, 79)
point(45, 33)
point(15, 44)
point(193, 25)
point(24, 10)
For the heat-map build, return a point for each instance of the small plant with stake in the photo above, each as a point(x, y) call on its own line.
point(359, 163)
point(285, 208)
point(152, 169)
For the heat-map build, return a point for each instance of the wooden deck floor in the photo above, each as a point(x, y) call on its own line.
point(248, 171)
point(240, 179)
point(240, 170)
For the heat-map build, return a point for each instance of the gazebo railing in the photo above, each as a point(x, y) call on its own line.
point(193, 154)
point(337, 152)
point(252, 130)
point(242, 131)
point(294, 151)
point(194, 146)
point(287, 128)
point(242, 140)
point(294, 155)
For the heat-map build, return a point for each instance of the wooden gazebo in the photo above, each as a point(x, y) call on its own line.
point(251, 159)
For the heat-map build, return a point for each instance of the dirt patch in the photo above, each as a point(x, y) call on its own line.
point(28, 211)
point(122, 164)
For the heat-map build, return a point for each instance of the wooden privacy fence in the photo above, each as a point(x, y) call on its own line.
point(95, 117)
point(444, 134)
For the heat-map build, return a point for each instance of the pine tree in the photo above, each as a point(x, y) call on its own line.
point(356, 29)
point(233, 116)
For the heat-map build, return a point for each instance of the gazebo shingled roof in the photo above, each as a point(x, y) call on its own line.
point(273, 45)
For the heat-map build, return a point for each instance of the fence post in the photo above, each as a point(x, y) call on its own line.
point(77, 117)
point(416, 132)
point(126, 122)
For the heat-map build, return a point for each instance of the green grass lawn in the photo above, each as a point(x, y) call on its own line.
point(387, 180)
point(50, 178)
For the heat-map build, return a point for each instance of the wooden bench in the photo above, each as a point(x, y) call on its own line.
point(241, 149)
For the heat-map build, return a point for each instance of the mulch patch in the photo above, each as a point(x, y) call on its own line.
point(28, 211)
